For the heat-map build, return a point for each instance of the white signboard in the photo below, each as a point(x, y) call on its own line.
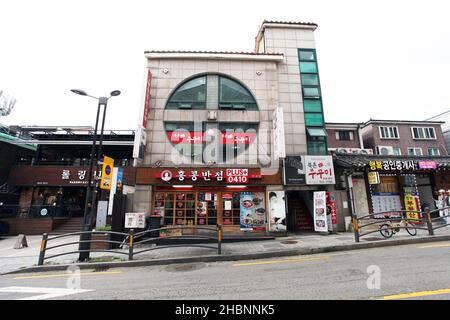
point(386, 202)
point(102, 209)
point(277, 211)
point(135, 220)
point(279, 149)
point(320, 211)
point(319, 170)
point(140, 140)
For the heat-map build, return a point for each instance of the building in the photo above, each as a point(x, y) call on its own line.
point(217, 125)
point(47, 188)
point(409, 163)
point(444, 117)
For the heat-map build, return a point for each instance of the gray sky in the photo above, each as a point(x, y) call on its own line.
point(377, 59)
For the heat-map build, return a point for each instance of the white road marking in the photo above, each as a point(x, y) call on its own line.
point(44, 293)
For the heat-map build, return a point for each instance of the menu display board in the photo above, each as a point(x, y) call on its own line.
point(253, 214)
point(320, 211)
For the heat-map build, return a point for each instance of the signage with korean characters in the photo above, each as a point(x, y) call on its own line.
point(428, 165)
point(373, 177)
point(73, 176)
point(411, 205)
point(319, 170)
point(230, 176)
point(393, 165)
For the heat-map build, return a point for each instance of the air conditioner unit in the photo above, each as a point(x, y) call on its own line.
point(385, 150)
point(212, 115)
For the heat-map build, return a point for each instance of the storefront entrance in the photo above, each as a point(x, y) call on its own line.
point(299, 218)
point(241, 209)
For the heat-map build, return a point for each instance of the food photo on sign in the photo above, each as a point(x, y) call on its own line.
point(253, 213)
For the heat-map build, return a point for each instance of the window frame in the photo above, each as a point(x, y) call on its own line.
point(380, 132)
point(424, 131)
point(434, 154)
point(235, 105)
point(414, 151)
point(195, 105)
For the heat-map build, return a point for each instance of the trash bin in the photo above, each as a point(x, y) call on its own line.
point(154, 222)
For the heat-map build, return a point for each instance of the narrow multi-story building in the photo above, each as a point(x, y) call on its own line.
point(226, 134)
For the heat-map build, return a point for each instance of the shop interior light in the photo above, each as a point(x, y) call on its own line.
point(237, 186)
point(182, 186)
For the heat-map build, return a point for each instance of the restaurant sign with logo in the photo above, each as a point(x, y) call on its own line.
point(231, 176)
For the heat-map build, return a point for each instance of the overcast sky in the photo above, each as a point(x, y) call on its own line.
point(377, 59)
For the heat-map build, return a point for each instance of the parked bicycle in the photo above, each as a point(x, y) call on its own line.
point(390, 228)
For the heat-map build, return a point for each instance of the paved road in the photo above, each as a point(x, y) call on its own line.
point(417, 270)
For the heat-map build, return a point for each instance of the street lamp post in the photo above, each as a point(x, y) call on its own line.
point(91, 192)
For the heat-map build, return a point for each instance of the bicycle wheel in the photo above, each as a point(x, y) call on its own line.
point(411, 229)
point(386, 231)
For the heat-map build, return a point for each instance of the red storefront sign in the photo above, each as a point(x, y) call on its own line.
point(147, 99)
point(238, 176)
point(198, 137)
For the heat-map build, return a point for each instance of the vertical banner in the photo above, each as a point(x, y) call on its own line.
point(320, 211)
point(279, 149)
point(107, 173)
point(253, 214)
point(411, 204)
point(277, 211)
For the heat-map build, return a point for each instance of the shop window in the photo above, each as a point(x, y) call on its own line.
point(312, 105)
point(433, 152)
point(233, 95)
point(190, 95)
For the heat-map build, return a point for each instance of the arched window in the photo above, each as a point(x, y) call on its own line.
point(190, 95)
point(233, 95)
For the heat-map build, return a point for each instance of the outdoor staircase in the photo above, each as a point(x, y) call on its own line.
point(68, 226)
point(303, 220)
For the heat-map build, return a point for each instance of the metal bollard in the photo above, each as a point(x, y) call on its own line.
point(219, 239)
point(430, 224)
point(131, 244)
point(42, 251)
point(355, 228)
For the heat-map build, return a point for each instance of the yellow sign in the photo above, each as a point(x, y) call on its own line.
point(373, 177)
point(107, 173)
point(411, 204)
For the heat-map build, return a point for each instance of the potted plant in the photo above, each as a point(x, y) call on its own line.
point(101, 236)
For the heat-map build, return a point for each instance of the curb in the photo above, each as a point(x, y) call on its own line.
point(233, 257)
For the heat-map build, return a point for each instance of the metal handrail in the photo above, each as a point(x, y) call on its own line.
point(426, 217)
point(131, 237)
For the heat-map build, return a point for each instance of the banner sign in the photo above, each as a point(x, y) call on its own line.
point(320, 211)
point(107, 173)
point(253, 214)
point(373, 177)
point(411, 204)
point(319, 170)
point(279, 149)
point(277, 211)
point(135, 220)
point(427, 165)
point(396, 165)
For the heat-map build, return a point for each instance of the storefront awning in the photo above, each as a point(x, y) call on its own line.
point(316, 132)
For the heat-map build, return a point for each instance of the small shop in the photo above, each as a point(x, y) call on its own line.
point(395, 183)
point(236, 198)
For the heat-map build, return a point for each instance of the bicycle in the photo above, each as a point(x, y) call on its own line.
point(388, 229)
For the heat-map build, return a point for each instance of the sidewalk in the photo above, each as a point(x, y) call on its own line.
point(308, 243)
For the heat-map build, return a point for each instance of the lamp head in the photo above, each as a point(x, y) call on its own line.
point(115, 93)
point(80, 92)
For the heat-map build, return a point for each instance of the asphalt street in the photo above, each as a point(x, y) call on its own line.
point(420, 271)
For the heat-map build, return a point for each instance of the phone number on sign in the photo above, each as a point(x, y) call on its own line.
point(237, 179)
